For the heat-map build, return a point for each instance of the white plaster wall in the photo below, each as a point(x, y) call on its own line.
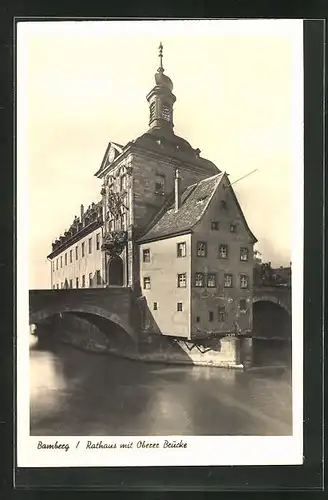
point(163, 268)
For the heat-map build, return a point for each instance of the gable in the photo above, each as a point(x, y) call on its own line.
point(225, 208)
point(107, 161)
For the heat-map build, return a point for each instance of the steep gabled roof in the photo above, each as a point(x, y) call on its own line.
point(194, 201)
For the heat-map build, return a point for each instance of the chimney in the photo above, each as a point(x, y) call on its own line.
point(82, 211)
point(177, 189)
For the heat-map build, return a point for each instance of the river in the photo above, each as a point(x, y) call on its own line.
point(73, 392)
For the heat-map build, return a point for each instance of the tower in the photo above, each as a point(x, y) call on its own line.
point(140, 181)
point(161, 99)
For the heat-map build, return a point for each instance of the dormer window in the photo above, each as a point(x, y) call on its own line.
point(233, 228)
point(160, 184)
point(166, 112)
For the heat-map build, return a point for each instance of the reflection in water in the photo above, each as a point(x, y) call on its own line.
point(79, 393)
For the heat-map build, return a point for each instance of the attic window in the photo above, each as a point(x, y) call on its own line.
point(233, 228)
point(202, 199)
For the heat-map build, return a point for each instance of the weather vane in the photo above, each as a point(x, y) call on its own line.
point(160, 55)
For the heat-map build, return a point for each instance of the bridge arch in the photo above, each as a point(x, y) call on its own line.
point(55, 309)
point(272, 332)
point(274, 300)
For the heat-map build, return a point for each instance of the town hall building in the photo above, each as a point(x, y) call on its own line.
point(168, 226)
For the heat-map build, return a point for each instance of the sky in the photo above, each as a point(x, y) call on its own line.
point(83, 84)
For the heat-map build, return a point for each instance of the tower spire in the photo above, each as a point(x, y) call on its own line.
point(160, 55)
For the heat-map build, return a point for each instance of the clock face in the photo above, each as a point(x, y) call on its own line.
point(111, 154)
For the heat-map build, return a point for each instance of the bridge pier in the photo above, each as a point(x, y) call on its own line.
point(246, 352)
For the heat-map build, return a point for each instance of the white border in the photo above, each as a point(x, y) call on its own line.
point(213, 450)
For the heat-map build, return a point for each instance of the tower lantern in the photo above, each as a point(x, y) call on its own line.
point(161, 99)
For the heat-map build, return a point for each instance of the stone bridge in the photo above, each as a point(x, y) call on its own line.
point(116, 304)
point(280, 295)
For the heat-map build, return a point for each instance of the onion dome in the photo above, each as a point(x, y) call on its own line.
point(161, 79)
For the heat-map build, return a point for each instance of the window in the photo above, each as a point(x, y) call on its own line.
point(215, 225)
point(181, 249)
point(90, 280)
point(71, 283)
point(222, 314)
point(65, 259)
point(182, 280)
point(152, 111)
point(223, 251)
point(179, 306)
point(146, 255)
point(56, 264)
point(199, 279)
point(242, 305)
point(166, 112)
point(71, 256)
point(197, 319)
point(243, 281)
point(83, 249)
point(155, 306)
point(83, 281)
point(146, 282)
point(62, 285)
point(201, 249)
point(228, 280)
point(53, 287)
point(90, 245)
point(97, 241)
point(233, 228)
point(159, 184)
point(123, 182)
point(211, 280)
point(76, 253)
point(57, 286)
point(77, 282)
point(61, 261)
point(244, 253)
point(210, 315)
point(98, 277)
